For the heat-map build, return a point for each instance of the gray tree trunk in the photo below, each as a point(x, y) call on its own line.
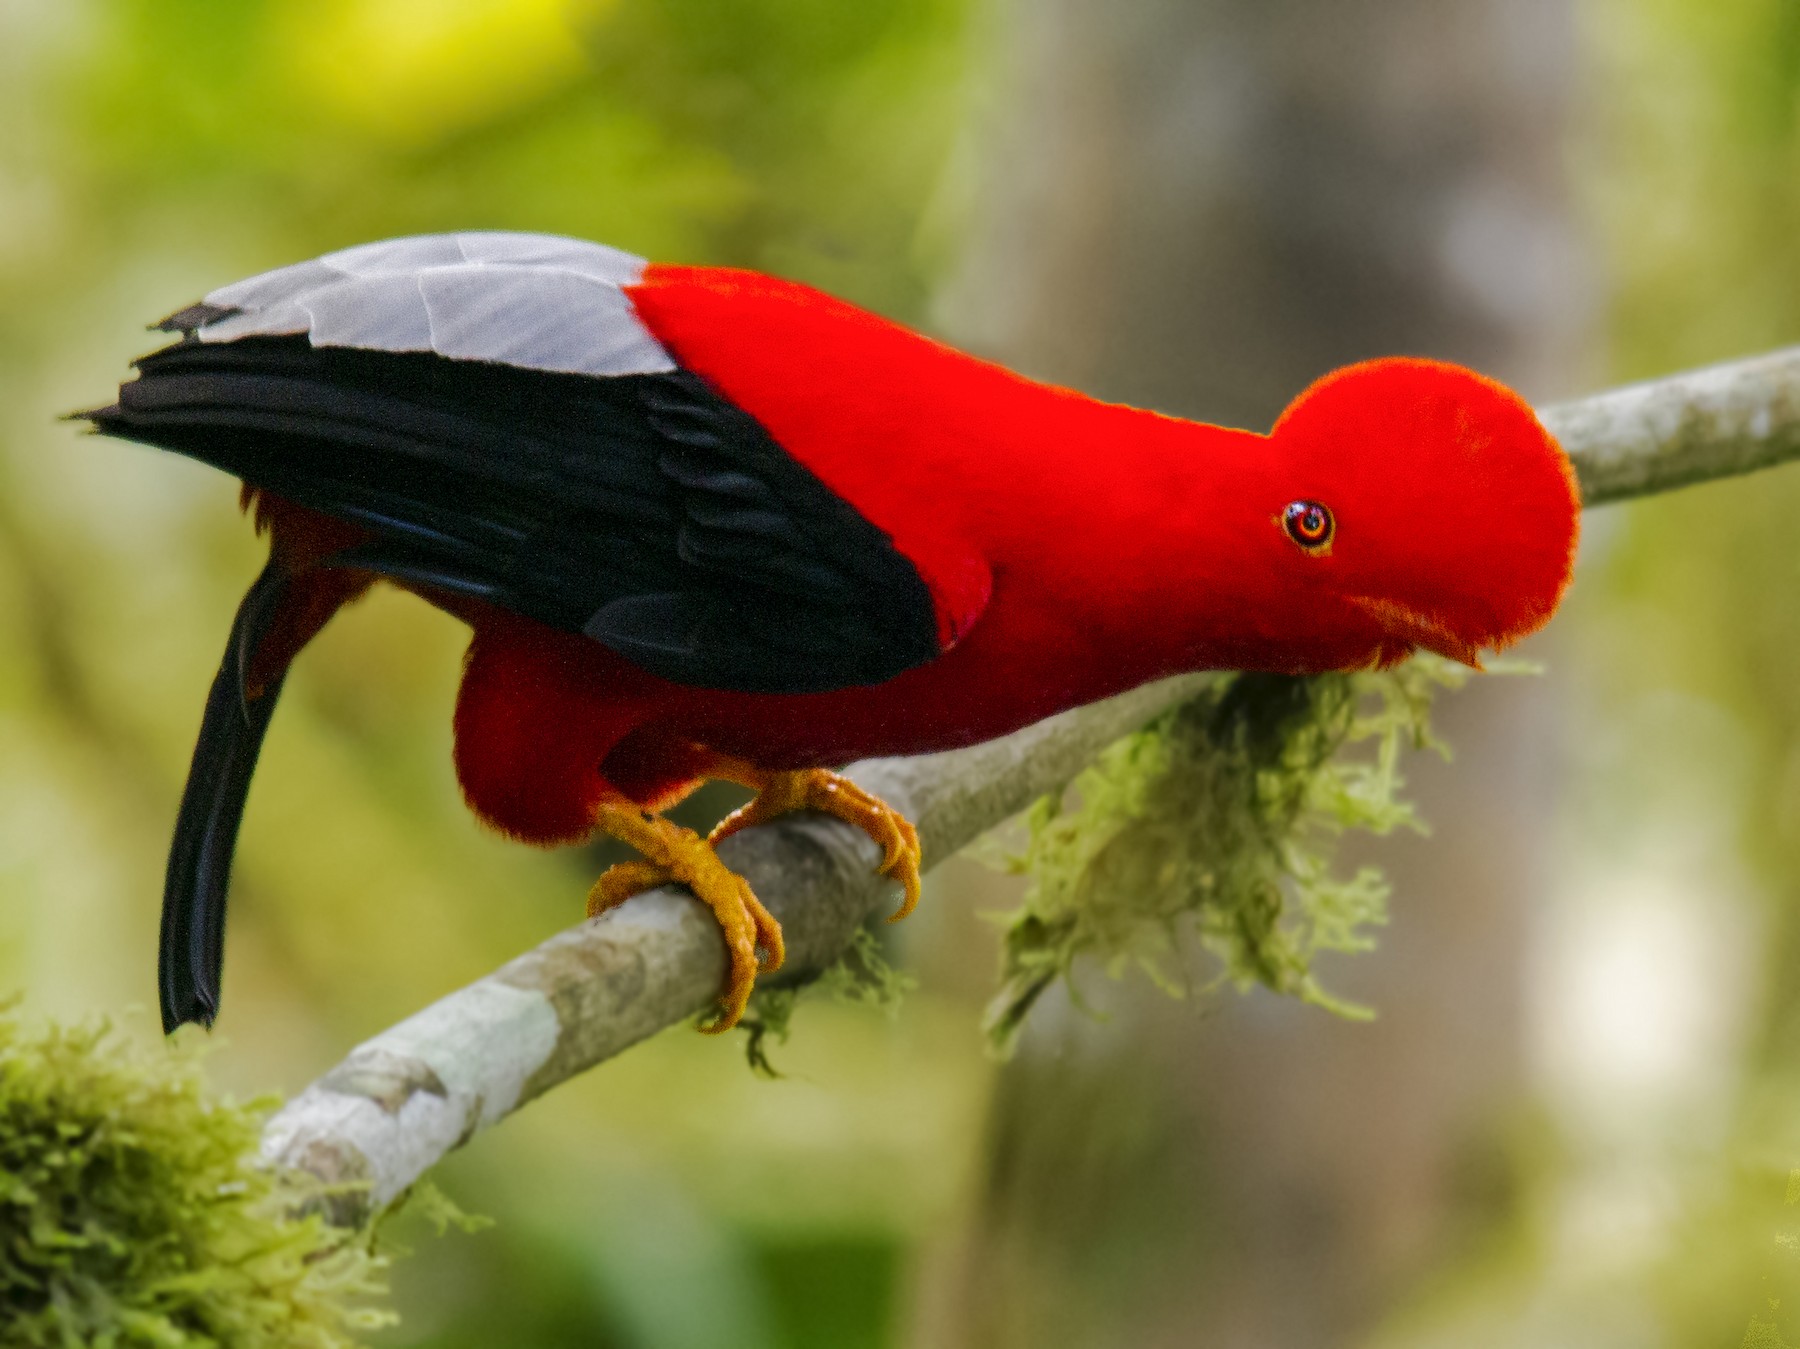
point(1201, 205)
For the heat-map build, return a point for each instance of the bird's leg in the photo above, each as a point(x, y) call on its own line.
point(671, 853)
point(832, 794)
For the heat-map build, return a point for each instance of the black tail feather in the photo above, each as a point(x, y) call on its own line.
point(212, 806)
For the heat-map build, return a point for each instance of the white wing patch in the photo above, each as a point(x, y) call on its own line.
point(532, 300)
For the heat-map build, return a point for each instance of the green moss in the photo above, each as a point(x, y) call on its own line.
point(133, 1213)
point(1216, 824)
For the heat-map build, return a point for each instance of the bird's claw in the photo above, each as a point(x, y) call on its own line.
point(753, 940)
point(832, 794)
point(676, 856)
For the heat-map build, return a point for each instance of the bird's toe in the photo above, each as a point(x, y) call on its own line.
point(621, 881)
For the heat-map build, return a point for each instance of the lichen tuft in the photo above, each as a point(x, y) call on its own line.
point(1217, 822)
point(862, 975)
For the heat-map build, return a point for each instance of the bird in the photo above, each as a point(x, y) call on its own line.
point(706, 523)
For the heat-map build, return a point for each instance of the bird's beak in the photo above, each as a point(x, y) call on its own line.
point(1419, 630)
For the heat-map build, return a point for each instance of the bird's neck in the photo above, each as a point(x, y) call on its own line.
point(1153, 547)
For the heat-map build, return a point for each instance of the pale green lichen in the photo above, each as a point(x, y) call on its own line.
point(1216, 824)
point(133, 1211)
point(862, 975)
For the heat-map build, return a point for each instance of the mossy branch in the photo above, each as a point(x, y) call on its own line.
point(1214, 827)
point(402, 1100)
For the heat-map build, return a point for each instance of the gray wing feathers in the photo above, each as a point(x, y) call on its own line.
point(530, 300)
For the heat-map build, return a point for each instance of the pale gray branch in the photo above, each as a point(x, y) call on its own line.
point(402, 1100)
point(1714, 422)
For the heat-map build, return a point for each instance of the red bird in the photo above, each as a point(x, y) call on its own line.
point(704, 523)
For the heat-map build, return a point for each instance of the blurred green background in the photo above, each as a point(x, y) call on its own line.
point(1575, 1120)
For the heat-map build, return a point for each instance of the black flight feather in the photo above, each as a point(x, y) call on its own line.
point(644, 510)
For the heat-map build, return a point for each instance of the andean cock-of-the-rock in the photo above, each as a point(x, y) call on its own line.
point(705, 523)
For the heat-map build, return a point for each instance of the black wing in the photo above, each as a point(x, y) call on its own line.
point(644, 510)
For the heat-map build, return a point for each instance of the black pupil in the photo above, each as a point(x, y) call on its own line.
point(1309, 522)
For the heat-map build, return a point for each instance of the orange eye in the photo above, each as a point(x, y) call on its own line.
point(1308, 524)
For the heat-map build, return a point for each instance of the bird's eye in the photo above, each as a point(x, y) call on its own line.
point(1308, 524)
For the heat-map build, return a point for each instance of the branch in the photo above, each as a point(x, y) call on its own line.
point(1715, 422)
point(404, 1099)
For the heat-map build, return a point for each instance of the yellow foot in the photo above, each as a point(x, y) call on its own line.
point(822, 790)
point(680, 856)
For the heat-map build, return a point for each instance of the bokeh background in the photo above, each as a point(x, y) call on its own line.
point(1574, 1121)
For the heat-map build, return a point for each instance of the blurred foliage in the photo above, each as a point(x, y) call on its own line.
point(133, 1214)
point(1697, 138)
point(1656, 1212)
point(1218, 820)
point(157, 148)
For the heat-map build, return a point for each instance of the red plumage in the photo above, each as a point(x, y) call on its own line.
point(1070, 549)
point(1073, 548)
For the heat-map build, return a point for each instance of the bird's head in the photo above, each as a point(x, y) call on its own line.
point(1418, 504)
